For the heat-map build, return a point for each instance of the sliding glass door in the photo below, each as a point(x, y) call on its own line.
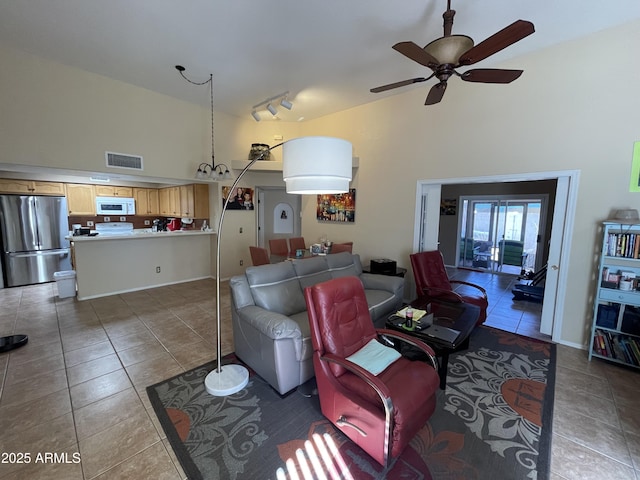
point(501, 233)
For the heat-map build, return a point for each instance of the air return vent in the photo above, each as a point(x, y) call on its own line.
point(122, 160)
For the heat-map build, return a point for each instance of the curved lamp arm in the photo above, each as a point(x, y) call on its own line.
point(219, 234)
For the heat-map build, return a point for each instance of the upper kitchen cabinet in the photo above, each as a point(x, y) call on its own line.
point(191, 201)
point(81, 199)
point(147, 202)
point(31, 187)
point(113, 191)
point(169, 201)
point(194, 200)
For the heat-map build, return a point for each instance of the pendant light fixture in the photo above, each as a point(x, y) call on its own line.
point(205, 170)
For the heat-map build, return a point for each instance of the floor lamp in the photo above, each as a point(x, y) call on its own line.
point(310, 165)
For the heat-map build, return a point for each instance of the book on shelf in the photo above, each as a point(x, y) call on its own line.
point(635, 348)
point(617, 346)
point(625, 245)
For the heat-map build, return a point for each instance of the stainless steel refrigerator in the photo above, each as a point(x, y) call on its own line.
point(33, 244)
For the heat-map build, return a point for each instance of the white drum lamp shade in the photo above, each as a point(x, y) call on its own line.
point(317, 165)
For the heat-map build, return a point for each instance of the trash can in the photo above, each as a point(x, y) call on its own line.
point(66, 283)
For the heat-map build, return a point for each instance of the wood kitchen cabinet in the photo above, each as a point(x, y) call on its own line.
point(191, 201)
point(169, 199)
point(147, 201)
point(81, 199)
point(200, 200)
point(113, 191)
point(31, 187)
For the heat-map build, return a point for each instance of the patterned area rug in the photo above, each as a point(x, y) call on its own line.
point(492, 421)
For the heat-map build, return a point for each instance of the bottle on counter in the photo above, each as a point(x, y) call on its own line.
point(408, 317)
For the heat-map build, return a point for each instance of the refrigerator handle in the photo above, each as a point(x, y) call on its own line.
point(34, 206)
point(64, 252)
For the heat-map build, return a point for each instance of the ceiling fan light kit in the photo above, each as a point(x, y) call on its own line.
point(449, 49)
point(449, 52)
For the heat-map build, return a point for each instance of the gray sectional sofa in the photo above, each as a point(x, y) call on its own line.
point(269, 313)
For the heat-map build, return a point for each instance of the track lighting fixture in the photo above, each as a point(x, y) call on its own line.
point(268, 104)
point(286, 103)
point(273, 110)
point(206, 170)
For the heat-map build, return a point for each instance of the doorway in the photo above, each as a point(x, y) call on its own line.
point(427, 224)
point(502, 233)
point(278, 215)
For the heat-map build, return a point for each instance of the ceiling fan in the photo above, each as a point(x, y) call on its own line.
point(449, 52)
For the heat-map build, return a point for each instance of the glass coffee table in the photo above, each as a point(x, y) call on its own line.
point(452, 325)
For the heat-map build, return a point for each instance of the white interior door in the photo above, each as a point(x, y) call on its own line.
point(427, 217)
point(278, 215)
point(551, 290)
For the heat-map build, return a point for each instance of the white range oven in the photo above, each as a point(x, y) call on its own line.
point(115, 206)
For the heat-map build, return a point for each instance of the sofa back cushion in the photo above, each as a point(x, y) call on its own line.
point(344, 264)
point(276, 288)
point(311, 270)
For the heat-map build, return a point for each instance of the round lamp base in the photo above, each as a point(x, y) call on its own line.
point(230, 379)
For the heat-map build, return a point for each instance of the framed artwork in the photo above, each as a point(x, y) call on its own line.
point(634, 185)
point(242, 198)
point(448, 206)
point(340, 207)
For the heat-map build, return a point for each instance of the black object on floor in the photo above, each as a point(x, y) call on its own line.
point(12, 342)
point(533, 291)
point(528, 292)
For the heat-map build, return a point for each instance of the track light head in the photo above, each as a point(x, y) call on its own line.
point(273, 110)
point(255, 116)
point(286, 104)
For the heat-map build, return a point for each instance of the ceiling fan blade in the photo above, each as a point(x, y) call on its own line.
point(490, 75)
point(403, 83)
point(436, 93)
point(496, 42)
point(416, 53)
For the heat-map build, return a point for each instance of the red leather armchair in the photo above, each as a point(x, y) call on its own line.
point(380, 413)
point(432, 280)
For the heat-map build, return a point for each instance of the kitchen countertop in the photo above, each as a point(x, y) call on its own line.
point(138, 234)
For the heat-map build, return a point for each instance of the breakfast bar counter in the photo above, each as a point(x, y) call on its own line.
point(112, 264)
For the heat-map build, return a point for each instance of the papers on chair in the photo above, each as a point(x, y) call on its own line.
point(374, 357)
point(417, 314)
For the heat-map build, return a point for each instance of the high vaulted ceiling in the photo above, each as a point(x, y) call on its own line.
point(327, 54)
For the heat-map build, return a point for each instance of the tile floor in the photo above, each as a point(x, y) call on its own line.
point(77, 389)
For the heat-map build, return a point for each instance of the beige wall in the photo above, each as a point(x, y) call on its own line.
point(567, 112)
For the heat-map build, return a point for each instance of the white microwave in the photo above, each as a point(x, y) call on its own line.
point(115, 206)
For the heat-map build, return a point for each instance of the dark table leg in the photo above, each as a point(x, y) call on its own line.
point(442, 371)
